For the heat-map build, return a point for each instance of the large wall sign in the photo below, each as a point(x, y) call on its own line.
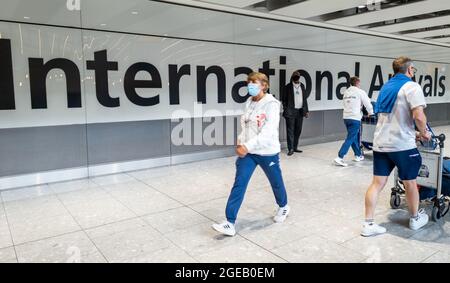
point(58, 76)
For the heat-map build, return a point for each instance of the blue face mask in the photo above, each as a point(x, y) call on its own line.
point(253, 89)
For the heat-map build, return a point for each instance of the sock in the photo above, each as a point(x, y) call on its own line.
point(369, 221)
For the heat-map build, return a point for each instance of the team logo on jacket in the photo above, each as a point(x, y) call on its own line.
point(260, 119)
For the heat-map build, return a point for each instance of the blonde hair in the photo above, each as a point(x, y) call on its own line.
point(401, 64)
point(262, 78)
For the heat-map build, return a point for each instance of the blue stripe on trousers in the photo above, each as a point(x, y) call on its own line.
point(244, 170)
point(352, 140)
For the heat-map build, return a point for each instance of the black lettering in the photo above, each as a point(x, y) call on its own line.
point(346, 84)
point(7, 101)
point(267, 70)
point(319, 79)
point(442, 86)
point(420, 79)
point(38, 78)
point(282, 78)
point(202, 76)
point(175, 75)
point(428, 87)
point(377, 76)
point(435, 81)
point(237, 86)
point(101, 66)
point(308, 82)
point(130, 84)
point(357, 68)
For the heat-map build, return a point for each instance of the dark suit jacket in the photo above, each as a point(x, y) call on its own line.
point(287, 99)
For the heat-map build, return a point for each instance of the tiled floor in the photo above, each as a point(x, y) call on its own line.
point(165, 215)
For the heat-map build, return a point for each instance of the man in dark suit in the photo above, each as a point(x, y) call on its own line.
point(295, 105)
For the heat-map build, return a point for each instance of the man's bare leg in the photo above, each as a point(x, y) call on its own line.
point(372, 194)
point(412, 197)
point(369, 226)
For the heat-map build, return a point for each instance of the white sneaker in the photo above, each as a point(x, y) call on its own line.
point(420, 221)
point(340, 162)
point(282, 214)
point(225, 228)
point(359, 158)
point(372, 229)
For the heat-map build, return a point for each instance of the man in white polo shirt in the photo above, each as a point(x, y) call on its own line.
point(400, 107)
point(354, 99)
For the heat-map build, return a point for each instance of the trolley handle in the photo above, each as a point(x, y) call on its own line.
point(441, 138)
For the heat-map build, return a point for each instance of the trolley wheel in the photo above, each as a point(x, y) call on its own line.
point(395, 201)
point(436, 214)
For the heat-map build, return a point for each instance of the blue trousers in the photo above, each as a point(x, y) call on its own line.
point(244, 170)
point(352, 140)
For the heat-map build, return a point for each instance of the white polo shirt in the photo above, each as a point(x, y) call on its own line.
point(298, 96)
point(395, 131)
point(353, 100)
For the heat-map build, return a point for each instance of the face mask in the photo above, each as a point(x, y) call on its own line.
point(253, 89)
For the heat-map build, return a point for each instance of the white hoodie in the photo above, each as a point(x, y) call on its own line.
point(259, 124)
point(354, 99)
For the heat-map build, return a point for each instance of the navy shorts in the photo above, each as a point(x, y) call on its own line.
point(408, 163)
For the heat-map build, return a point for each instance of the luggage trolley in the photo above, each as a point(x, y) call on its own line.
point(430, 175)
point(368, 125)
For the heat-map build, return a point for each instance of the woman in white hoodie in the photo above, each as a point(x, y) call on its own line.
point(258, 144)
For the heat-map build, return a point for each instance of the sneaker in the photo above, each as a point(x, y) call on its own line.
point(340, 162)
point(420, 221)
point(359, 158)
point(372, 229)
point(225, 228)
point(282, 214)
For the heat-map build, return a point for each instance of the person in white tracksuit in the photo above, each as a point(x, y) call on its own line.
point(257, 145)
point(354, 98)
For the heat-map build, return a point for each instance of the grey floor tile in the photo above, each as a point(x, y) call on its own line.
point(128, 240)
point(69, 248)
point(439, 257)
point(70, 186)
point(201, 239)
point(99, 212)
point(143, 201)
point(8, 255)
point(317, 249)
point(390, 248)
point(169, 254)
point(32, 229)
point(45, 206)
point(5, 235)
point(175, 219)
point(242, 252)
point(26, 193)
point(82, 196)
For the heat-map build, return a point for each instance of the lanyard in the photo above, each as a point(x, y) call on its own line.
point(297, 89)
